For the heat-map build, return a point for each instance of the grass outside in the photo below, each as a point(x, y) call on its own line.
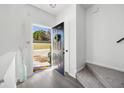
point(37, 46)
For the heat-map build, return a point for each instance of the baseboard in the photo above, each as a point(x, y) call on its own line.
point(79, 69)
point(106, 66)
point(72, 74)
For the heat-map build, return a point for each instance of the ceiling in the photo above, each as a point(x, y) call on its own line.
point(53, 11)
point(86, 6)
point(59, 7)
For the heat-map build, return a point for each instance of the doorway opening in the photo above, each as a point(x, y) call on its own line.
point(41, 47)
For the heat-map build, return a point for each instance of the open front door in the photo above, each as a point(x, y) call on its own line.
point(58, 47)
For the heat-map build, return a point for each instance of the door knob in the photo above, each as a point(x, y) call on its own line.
point(66, 50)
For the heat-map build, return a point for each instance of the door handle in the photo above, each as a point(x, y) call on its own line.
point(66, 50)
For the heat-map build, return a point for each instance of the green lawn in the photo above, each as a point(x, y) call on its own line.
point(37, 46)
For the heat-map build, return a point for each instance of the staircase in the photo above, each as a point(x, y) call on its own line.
point(94, 76)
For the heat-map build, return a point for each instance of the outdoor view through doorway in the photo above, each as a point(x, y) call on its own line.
point(41, 47)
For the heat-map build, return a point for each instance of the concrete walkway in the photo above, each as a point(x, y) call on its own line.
point(42, 52)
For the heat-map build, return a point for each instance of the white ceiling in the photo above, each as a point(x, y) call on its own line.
point(86, 6)
point(59, 7)
point(53, 11)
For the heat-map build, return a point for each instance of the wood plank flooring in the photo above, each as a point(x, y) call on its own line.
point(50, 79)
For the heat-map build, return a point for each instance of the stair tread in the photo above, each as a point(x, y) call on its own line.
point(108, 77)
point(88, 80)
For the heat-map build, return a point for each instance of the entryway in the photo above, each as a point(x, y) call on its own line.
point(48, 47)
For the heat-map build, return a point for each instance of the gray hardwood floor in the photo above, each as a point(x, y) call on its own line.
point(50, 79)
point(94, 76)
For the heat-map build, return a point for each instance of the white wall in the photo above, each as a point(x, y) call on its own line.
point(68, 16)
point(9, 76)
point(15, 29)
point(5, 62)
point(80, 37)
point(104, 27)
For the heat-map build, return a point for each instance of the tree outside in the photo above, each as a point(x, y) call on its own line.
point(41, 36)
